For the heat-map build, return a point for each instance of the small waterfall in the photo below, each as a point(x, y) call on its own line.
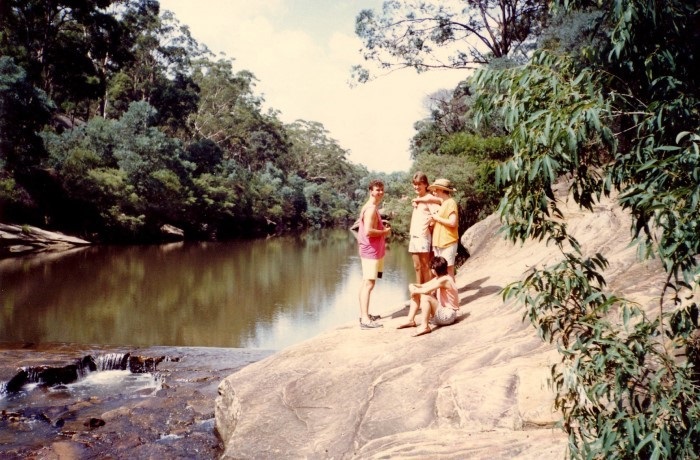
point(113, 361)
point(79, 370)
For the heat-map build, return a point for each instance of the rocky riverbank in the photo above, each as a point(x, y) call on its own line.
point(477, 389)
point(166, 412)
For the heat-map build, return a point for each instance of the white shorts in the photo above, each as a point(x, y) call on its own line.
point(419, 244)
point(372, 268)
point(449, 253)
point(444, 316)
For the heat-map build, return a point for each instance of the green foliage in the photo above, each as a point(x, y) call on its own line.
point(476, 148)
point(147, 129)
point(205, 155)
point(67, 48)
point(431, 34)
point(452, 121)
point(332, 180)
point(618, 110)
point(620, 392)
point(24, 110)
point(14, 200)
point(158, 70)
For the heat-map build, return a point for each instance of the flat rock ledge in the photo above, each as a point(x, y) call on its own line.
point(17, 240)
point(477, 389)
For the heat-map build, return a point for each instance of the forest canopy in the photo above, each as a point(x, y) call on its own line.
point(115, 121)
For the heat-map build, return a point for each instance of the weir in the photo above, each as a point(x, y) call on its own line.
point(51, 376)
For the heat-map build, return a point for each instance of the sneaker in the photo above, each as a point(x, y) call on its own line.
point(370, 325)
point(371, 318)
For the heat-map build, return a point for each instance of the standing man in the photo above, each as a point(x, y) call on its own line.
point(446, 220)
point(371, 240)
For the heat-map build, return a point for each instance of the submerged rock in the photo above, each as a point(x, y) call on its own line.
point(171, 419)
point(70, 373)
point(51, 375)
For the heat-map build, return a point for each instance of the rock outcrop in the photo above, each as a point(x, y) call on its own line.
point(477, 389)
point(18, 240)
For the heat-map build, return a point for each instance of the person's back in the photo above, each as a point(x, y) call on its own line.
point(447, 293)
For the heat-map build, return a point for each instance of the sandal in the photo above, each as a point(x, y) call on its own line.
point(427, 330)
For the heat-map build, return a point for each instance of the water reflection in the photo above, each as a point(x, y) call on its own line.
point(253, 294)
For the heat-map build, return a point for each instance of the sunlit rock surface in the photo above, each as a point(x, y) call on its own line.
point(476, 389)
point(25, 239)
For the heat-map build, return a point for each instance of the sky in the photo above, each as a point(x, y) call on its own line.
point(302, 52)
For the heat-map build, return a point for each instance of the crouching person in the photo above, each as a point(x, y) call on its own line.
point(442, 308)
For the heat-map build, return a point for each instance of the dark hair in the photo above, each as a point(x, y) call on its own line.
point(439, 264)
point(420, 178)
point(375, 183)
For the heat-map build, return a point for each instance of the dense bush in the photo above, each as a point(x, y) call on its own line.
point(621, 114)
point(162, 134)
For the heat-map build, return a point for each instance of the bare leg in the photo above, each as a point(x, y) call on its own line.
point(365, 291)
point(413, 309)
point(417, 266)
point(425, 258)
point(428, 304)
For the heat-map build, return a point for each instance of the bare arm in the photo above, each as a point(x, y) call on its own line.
point(427, 198)
point(450, 221)
point(429, 286)
point(370, 221)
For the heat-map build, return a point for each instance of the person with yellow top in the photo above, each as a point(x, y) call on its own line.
point(446, 220)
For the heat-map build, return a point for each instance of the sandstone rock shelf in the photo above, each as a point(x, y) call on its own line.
point(477, 389)
point(18, 240)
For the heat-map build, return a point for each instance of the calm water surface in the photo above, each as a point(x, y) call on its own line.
point(267, 293)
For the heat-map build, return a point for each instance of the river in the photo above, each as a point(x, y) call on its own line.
point(264, 293)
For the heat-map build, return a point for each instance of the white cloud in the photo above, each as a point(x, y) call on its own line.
point(303, 67)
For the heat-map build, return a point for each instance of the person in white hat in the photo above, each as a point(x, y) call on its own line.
point(446, 221)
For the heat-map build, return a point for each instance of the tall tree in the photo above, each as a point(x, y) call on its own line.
point(65, 46)
point(429, 34)
point(229, 115)
point(332, 180)
point(160, 73)
point(24, 110)
point(317, 157)
point(451, 114)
